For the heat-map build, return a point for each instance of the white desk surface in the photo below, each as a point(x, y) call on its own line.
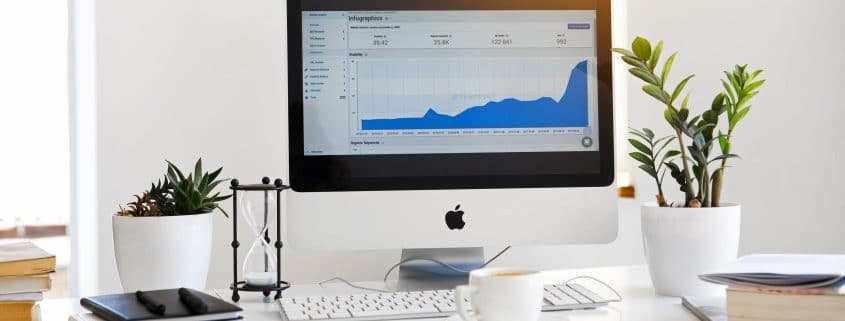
point(633, 282)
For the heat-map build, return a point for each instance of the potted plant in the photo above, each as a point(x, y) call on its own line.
point(163, 238)
point(685, 238)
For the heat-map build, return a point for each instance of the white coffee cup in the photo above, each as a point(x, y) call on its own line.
point(501, 294)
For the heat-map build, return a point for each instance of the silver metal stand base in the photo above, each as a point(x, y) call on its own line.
point(427, 275)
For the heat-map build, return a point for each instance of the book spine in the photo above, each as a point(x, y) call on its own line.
point(818, 291)
point(785, 307)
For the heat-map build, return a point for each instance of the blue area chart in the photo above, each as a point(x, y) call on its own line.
point(546, 112)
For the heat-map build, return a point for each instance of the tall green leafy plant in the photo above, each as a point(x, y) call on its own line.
point(740, 86)
point(701, 186)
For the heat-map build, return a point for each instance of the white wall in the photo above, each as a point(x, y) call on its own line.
point(182, 79)
point(790, 178)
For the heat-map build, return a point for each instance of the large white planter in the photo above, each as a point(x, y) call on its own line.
point(681, 243)
point(163, 252)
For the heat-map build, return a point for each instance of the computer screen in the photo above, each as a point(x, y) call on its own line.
point(429, 82)
point(405, 114)
point(387, 95)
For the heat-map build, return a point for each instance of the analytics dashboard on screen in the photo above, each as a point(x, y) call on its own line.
point(431, 82)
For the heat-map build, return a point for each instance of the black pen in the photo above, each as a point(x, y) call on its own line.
point(193, 301)
point(150, 303)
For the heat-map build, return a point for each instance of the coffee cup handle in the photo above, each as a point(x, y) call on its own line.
point(461, 292)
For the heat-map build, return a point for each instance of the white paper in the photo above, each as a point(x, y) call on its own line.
point(793, 271)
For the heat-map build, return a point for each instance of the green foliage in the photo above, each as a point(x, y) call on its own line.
point(693, 175)
point(192, 194)
point(154, 202)
point(652, 155)
point(179, 195)
point(740, 86)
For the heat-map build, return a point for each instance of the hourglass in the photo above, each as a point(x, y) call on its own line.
point(260, 268)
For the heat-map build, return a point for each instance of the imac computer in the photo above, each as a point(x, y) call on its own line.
point(441, 126)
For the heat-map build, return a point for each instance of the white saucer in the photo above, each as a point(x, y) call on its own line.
point(545, 316)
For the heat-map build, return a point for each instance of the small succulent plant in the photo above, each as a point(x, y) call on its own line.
point(192, 194)
point(179, 194)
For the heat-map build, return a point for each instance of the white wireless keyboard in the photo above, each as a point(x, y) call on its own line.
point(415, 305)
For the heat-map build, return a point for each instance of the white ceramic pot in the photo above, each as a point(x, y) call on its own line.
point(681, 243)
point(164, 252)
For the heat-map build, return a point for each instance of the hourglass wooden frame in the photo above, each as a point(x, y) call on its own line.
point(237, 285)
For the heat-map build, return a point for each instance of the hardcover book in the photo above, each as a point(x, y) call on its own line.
point(25, 258)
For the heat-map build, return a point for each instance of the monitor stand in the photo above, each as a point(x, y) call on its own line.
point(426, 275)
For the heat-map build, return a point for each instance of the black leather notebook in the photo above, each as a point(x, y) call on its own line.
point(126, 307)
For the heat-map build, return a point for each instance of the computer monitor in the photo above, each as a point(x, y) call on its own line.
point(459, 123)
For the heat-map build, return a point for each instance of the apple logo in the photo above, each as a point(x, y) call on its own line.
point(455, 219)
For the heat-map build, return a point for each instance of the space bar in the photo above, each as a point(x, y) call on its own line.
point(376, 313)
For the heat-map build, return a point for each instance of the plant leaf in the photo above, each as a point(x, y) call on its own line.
point(718, 104)
point(657, 93)
point(754, 85)
point(678, 175)
point(724, 143)
point(649, 170)
point(642, 48)
point(655, 55)
point(738, 117)
point(624, 52)
point(176, 169)
point(745, 99)
point(213, 175)
point(639, 134)
point(634, 62)
point(640, 146)
point(721, 157)
point(729, 92)
point(699, 140)
point(683, 114)
point(734, 82)
point(697, 155)
point(665, 144)
point(645, 75)
point(642, 158)
point(670, 154)
point(198, 168)
point(680, 87)
point(667, 66)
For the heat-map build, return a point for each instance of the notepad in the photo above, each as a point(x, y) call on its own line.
point(125, 307)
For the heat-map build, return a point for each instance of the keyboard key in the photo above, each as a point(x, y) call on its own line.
point(292, 306)
point(556, 299)
point(575, 295)
point(430, 309)
point(296, 315)
point(446, 307)
point(372, 313)
point(340, 315)
point(587, 293)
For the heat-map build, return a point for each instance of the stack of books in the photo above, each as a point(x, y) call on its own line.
point(784, 288)
point(24, 276)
